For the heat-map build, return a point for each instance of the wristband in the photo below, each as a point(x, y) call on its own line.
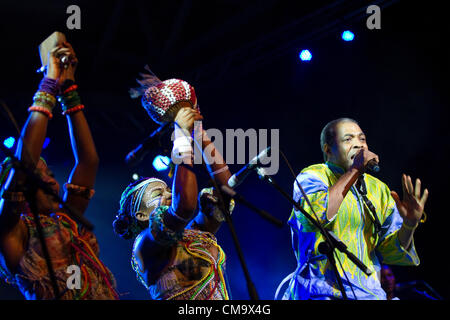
point(43, 102)
point(40, 109)
point(225, 168)
point(73, 110)
point(183, 144)
point(49, 86)
point(70, 100)
point(408, 227)
point(84, 192)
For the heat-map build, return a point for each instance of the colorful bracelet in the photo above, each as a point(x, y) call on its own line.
point(74, 109)
point(41, 109)
point(44, 96)
point(49, 85)
point(70, 100)
point(84, 192)
point(71, 88)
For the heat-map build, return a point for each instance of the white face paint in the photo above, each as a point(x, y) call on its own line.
point(156, 194)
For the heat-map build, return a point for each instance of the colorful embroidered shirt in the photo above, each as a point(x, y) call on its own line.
point(196, 270)
point(354, 225)
point(67, 245)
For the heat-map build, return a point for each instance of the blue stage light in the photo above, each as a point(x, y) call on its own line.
point(135, 176)
point(46, 143)
point(347, 35)
point(305, 55)
point(161, 163)
point(9, 142)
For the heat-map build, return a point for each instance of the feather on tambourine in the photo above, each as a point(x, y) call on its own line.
point(163, 99)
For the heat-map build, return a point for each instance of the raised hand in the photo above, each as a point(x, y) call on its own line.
point(56, 69)
point(412, 205)
point(186, 118)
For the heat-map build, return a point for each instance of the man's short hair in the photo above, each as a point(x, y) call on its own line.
point(328, 134)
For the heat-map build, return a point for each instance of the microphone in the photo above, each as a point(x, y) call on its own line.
point(152, 141)
point(238, 177)
point(373, 166)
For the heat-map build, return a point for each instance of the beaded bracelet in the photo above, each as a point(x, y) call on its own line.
point(45, 97)
point(74, 109)
point(70, 100)
point(41, 109)
point(84, 192)
point(71, 88)
point(43, 102)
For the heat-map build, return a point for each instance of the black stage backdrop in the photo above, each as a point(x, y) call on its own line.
point(242, 58)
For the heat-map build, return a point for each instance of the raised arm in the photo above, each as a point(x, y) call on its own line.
point(184, 188)
point(13, 234)
point(81, 181)
point(339, 190)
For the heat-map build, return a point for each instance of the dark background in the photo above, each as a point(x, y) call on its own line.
point(242, 58)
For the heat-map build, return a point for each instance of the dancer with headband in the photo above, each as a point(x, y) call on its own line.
point(175, 253)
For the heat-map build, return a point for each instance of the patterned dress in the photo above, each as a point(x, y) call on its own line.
point(354, 225)
point(68, 246)
point(197, 269)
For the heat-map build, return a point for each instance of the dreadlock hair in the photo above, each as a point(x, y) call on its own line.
point(125, 224)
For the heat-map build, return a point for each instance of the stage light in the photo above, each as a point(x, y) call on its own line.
point(305, 55)
point(161, 163)
point(347, 35)
point(9, 142)
point(135, 176)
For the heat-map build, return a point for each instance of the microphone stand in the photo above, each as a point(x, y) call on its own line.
point(250, 285)
point(264, 214)
point(36, 183)
point(226, 213)
point(331, 241)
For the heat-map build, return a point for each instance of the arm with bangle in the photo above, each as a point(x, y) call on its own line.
point(221, 173)
point(13, 233)
point(79, 188)
point(184, 188)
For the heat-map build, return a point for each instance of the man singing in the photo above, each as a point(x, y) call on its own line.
point(375, 224)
